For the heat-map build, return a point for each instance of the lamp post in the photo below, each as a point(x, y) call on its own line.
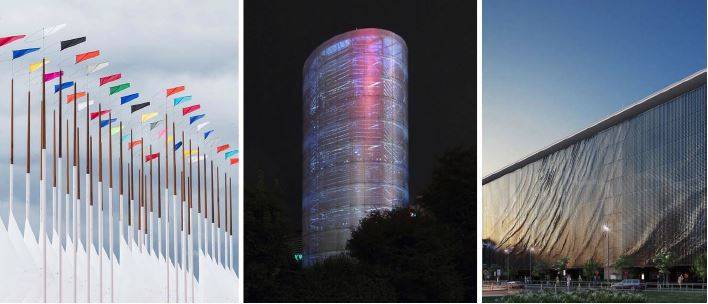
point(531, 250)
point(506, 251)
point(606, 229)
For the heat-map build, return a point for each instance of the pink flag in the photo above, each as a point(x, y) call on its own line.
point(162, 133)
point(50, 76)
point(107, 79)
point(8, 39)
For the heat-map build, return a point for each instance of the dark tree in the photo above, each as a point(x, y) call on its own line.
point(267, 255)
point(451, 199)
point(413, 252)
point(338, 279)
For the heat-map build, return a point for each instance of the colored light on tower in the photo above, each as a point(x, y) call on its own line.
point(355, 136)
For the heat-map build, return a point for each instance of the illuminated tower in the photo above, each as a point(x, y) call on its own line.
point(355, 149)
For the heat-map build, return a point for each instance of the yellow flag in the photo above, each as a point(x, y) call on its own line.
point(34, 66)
point(169, 138)
point(115, 130)
point(188, 152)
point(148, 116)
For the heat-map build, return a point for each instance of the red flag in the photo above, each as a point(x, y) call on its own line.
point(221, 148)
point(190, 109)
point(8, 39)
point(97, 114)
point(174, 90)
point(50, 76)
point(72, 97)
point(150, 157)
point(107, 79)
point(87, 56)
point(234, 160)
point(135, 143)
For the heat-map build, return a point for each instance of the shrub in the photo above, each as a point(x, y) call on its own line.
point(587, 296)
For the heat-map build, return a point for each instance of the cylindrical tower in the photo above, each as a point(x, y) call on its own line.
point(355, 149)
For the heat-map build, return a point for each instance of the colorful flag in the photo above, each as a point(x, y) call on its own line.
point(190, 109)
point(234, 160)
point(87, 56)
point(169, 138)
point(127, 98)
point(190, 152)
point(147, 116)
point(194, 118)
point(8, 39)
point(19, 53)
point(34, 66)
point(64, 85)
point(150, 157)
point(72, 97)
point(115, 130)
point(207, 133)
point(162, 133)
point(71, 42)
point(119, 88)
point(53, 75)
point(178, 145)
point(230, 153)
point(154, 124)
point(138, 106)
point(221, 148)
point(107, 121)
point(107, 79)
point(53, 29)
point(82, 105)
point(134, 143)
point(179, 100)
point(125, 137)
point(174, 90)
point(99, 113)
point(202, 125)
point(96, 67)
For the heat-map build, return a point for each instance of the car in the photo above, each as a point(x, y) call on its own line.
point(515, 285)
point(631, 284)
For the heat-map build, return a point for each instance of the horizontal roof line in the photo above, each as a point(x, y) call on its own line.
point(657, 98)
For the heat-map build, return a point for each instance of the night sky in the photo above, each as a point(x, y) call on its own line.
point(279, 36)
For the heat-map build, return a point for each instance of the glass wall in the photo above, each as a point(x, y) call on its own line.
point(355, 149)
point(644, 179)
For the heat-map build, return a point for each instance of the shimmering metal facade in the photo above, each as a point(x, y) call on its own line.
point(355, 149)
point(644, 177)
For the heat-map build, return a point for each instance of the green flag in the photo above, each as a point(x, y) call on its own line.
point(119, 88)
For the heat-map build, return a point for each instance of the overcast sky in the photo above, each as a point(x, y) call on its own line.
point(153, 44)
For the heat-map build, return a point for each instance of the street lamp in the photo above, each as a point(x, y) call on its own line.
point(606, 229)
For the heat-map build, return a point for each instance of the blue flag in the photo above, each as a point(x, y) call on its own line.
point(63, 85)
point(125, 137)
point(194, 118)
point(178, 145)
point(127, 98)
point(179, 100)
point(19, 53)
point(107, 121)
point(206, 134)
point(230, 153)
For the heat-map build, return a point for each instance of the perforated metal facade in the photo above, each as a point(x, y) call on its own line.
point(355, 150)
point(644, 176)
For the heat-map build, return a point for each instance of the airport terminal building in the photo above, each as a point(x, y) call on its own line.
point(631, 184)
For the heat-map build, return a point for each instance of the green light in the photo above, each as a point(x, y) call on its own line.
point(297, 256)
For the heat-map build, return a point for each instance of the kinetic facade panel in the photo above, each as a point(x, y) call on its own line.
point(644, 177)
point(355, 150)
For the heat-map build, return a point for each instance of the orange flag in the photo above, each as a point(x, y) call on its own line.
point(134, 143)
point(87, 56)
point(221, 148)
point(174, 90)
point(72, 97)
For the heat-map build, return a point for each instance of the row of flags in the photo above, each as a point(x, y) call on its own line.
point(143, 119)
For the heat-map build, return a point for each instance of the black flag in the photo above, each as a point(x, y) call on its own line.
point(71, 42)
point(139, 106)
